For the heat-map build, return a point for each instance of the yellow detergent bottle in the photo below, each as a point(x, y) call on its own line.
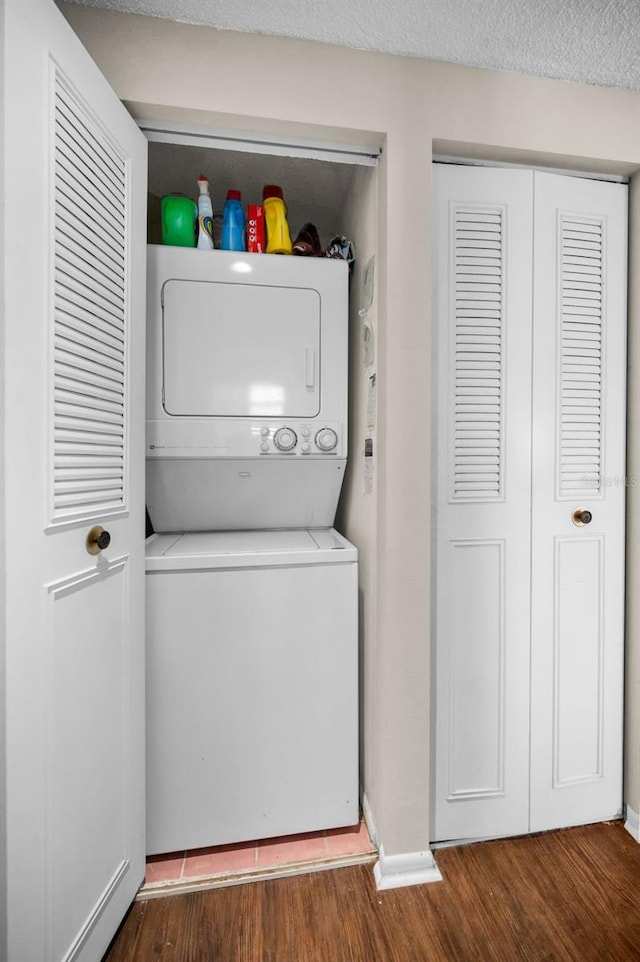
point(275, 215)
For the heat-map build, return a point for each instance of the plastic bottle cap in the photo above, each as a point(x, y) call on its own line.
point(203, 183)
point(233, 195)
point(272, 190)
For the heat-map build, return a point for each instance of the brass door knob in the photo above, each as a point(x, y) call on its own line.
point(581, 516)
point(97, 540)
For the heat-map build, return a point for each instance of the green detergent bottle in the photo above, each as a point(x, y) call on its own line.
point(179, 220)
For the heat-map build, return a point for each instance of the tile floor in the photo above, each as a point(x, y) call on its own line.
point(269, 858)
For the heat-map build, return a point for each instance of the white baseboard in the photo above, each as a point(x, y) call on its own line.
point(396, 871)
point(408, 868)
point(632, 823)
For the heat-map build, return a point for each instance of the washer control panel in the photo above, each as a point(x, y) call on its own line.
point(303, 439)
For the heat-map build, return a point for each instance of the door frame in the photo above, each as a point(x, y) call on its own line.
point(536, 162)
point(3, 657)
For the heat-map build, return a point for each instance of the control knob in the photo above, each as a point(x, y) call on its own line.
point(285, 439)
point(326, 439)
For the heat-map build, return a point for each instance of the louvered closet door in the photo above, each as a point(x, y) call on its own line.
point(482, 315)
point(90, 340)
point(529, 312)
point(74, 273)
point(578, 462)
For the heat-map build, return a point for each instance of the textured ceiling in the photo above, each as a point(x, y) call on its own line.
point(591, 41)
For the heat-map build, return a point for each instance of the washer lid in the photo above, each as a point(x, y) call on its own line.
point(233, 549)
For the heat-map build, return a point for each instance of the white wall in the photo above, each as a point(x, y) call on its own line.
point(358, 504)
point(183, 72)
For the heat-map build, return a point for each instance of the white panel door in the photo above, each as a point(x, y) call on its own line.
point(74, 219)
point(482, 252)
point(528, 659)
point(579, 347)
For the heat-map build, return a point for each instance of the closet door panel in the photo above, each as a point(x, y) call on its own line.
point(578, 465)
point(482, 318)
point(476, 669)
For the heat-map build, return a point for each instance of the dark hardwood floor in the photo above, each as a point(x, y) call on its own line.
point(565, 895)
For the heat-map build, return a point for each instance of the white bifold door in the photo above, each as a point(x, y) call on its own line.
point(530, 327)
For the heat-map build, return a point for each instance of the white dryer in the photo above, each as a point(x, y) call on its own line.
point(246, 390)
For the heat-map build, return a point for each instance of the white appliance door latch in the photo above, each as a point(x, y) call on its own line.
point(310, 359)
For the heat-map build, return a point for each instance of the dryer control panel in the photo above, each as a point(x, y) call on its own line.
point(204, 438)
point(303, 439)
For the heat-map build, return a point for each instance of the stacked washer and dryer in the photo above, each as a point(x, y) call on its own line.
point(252, 595)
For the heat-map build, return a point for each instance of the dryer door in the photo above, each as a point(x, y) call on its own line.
point(239, 350)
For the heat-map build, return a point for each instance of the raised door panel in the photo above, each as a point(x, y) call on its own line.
point(578, 696)
point(88, 726)
point(476, 670)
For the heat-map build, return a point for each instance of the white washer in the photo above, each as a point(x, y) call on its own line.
point(252, 691)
